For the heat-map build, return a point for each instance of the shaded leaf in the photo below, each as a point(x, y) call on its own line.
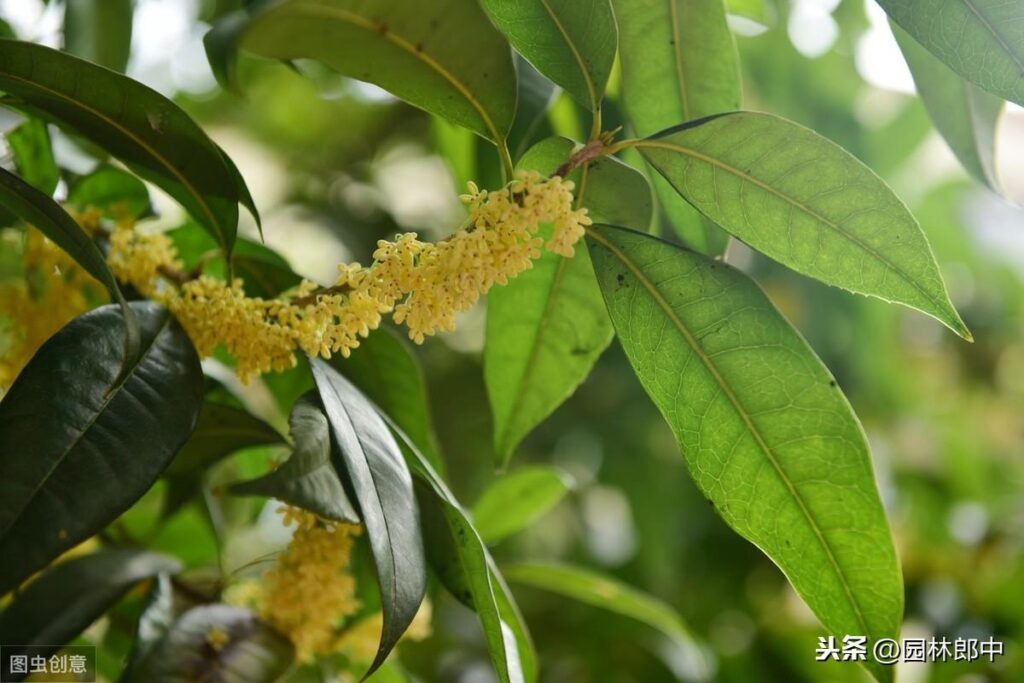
point(116, 193)
point(548, 326)
point(536, 95)
point(767, 436)
point(99, 30)
point(965, 115)
point(33, 155)
point(384, 368)
point(47, 216)
point(464, 566)
point(156, 620)
point(981, 40)
point(253, 652)
point(517, 499)
point(442, 56)
point(78, 445)
point(307, 479)
point(679, 63)
point(138, 125)
point(572, 42)
point(805, 202)
point(66, 599)
point(373, 463)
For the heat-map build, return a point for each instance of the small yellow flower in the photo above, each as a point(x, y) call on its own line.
point(217, 638)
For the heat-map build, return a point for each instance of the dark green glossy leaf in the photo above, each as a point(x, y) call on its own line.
point(443, 56)
point(138, 125)
point(371, 460)
point(572, 42)
point(547, 327)
point(386, 371)
point(116, 193)
point(464, 566)
point(252, 653)
point(266, 273)
point(33, 155)
point(981, 40)
point(78, 445)
point(67, 598)
point(517, 499)
point(99, 30)
point(805, 202)
point(965, 115)
point(678, 64)
point(608, 593)
point(767, 436)
point(307, 479)
point(220, 431)
point(38, 209)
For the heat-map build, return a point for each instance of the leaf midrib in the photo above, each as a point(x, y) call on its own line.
point(741, 411)
point(591, 90)
point(995, 34)
point(687, 151)
point(113, 392)
point(222, 234)
point(680, 80)
point(403, 43)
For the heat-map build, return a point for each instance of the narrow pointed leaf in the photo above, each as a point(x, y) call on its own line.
point(572, 42)
point(220, 431)
point(373, 463)
point(965, 115)
point(517, 499)
point(982, 40)
point(678, 64)
point(74, 423)
point(442, 56)
point(33, 155)
point(139, 126)
point(66, 599)
point(115, 192)
point(536, 95)
point(100, 31)
point(548, 326)
point(767, 436)
point(47, 216)
point(307, 479)
point(252, 653)
point(464, 566)
point(805, 202)
point(605, 592)
point(385, 369)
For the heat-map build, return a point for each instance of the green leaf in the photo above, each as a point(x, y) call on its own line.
point(307, 479)
point(266, 273)
point(139, 126)
point(805, 202)
point(517, 499)
point(547, 327)
point(443, 56)
point(606, 592)
point(100, 31)
point(464, 566)
point(979, 39)
point(33, 155)
point(964, 115)
point(81, 441)
point(678, 64)
point(767, 436)
point(385, 370)
point(755, 10)
point(67, 598)
point(220, 431)
point(373, 463)
point(536, 95)
point(252, 653)
point(572, 42)
point(116, 193)
point(156, 620)
point(38, 209)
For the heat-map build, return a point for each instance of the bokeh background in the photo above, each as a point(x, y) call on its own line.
point(335, 164)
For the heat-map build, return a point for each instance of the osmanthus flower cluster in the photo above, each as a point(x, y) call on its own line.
point(422, 284)
point(309, 595)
